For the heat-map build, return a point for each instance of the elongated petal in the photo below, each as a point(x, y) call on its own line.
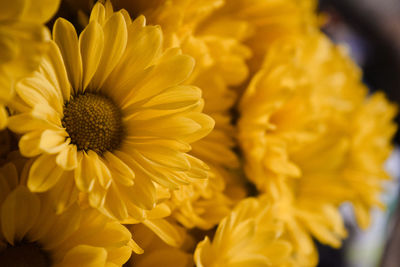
point(115, 39)
point(68, 157)
point(18, 213)
point(65, 36)
point(121, 172)
point(85, 256)
point(44, 173)
point(84, 173)
point(91, 43)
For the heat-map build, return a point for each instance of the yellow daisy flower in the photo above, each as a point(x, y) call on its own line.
point(31, 234)
point(296, 132)
point(22, 42)
point(250, 236)
point(107, 115)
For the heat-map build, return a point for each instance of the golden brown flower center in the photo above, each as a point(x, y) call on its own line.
point(24, 254)
point(93, 122)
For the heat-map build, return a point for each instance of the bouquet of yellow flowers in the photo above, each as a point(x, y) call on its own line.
point(181, 133)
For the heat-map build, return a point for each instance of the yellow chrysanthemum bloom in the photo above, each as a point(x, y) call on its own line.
point(250, 236)
point(156, 252)
point(300, 131)
point(107, 115)
point(31, 234)
point(215, 43)
point(372, 128)
point(22, 42)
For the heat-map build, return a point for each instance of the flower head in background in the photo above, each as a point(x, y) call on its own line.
point(22, 43)
point(251, 235)
point(107, 115)
point(31, 234)
point(299, 131)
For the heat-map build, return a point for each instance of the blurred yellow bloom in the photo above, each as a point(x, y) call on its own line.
point(22, 42)
point(251, 235)
point(303, 129)
point(371, 129)
point(31, 234)
point(107, 115)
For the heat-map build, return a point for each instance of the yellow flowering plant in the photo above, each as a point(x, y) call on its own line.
point(181, 133)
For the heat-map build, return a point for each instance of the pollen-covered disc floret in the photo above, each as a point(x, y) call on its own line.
point(93, 122)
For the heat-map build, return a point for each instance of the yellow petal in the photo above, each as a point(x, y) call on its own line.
point(8, 11)
point(97, 196)
point(115, 39)
point(52, 141)
point(114, 204)
point(121, 172)
point(39, 11)
point(174, 98)
point(362, 215)
point(85, 256)
point(3, 117)
point(144, 44)
point(91, 42)
point(84, 173)
point(64, 35)
point(172, 235)
point(118, 255)
point(64, 226)
point(24, 122)
point(29, 144)
point(166, 74)
point(113, 234)
point(38, 90)
point(174, 126)
point(44, 173)
point(64, 193)
point(54, 70)
point(101, 171)
point(98, 13)
point(206, 123)
point(68, 158)
point(167, 257)
point(143, 192)
point(18, 214)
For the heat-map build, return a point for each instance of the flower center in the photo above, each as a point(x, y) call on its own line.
point(24, 254)
point(93, 122)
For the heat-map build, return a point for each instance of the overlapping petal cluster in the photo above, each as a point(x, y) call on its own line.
point(22, 43)
point(297, 133)
point(252, 235)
